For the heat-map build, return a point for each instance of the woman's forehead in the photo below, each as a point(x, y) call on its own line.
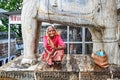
point(51, 28)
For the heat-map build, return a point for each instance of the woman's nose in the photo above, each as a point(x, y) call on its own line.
point(52, 32)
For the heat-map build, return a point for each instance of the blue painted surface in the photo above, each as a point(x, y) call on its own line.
point(100, 53)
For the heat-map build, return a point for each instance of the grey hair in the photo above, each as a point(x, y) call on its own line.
point(51, 26)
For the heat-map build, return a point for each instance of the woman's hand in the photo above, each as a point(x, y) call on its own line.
point(49, 55)
point(54, 49)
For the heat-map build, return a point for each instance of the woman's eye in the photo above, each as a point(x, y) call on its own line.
point(52, 31)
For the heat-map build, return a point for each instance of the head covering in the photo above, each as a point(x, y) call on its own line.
point(48, 38)
point(51, 26)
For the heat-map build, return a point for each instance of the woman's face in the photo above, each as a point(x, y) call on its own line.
point(51, 32)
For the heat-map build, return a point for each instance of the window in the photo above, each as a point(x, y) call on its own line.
point(77, 39)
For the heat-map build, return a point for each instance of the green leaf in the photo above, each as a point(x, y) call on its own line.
point(10, 5)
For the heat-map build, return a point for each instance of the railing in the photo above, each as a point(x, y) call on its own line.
point(4, 35)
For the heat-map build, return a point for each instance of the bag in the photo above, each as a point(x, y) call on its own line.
point(101, 61)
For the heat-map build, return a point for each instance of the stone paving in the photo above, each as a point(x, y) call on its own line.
point(73, 67)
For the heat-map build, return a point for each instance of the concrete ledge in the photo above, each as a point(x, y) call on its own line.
point(73, 67)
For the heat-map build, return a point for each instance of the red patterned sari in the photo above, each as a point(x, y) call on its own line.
point(58, 55)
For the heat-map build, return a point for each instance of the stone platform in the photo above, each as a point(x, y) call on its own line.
point(73, 67)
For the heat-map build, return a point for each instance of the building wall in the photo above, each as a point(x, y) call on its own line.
point(4, 47)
